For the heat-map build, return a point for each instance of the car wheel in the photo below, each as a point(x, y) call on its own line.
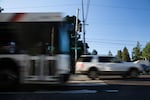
point(93, 74)
point(133, 73)
point(124, 76)
point(8, 78)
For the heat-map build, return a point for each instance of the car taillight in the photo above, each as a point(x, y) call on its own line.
point(80, 65)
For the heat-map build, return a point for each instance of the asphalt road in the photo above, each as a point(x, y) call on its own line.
point(82, 88)
point(143, 80)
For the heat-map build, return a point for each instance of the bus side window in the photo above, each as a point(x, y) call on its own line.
point(64, 39)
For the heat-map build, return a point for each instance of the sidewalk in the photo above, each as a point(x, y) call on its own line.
point(78, 78)
point(83, 80)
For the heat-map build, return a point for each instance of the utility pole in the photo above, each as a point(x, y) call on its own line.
point(76, 33)
point(1, 9)
point(84, 44)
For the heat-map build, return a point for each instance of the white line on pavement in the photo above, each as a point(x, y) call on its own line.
point(86, 83)
point(53, 92)
point(68, 92)
point(111, 91)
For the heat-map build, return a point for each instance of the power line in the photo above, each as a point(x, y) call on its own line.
point(95, 5)
point(116, 23)
point(106, 39)
point(44, 6)
point(115, 43)
point(87, 10)
point(120, 7)
point(84, 23)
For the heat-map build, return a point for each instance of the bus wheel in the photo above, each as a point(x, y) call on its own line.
point(64, 78)
point(8, 78)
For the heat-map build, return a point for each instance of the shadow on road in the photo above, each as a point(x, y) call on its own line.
point(32, 88)
point(129, 92)
point(110, 81)
point(145, 78)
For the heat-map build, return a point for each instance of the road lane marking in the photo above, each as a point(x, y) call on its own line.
point(111, 91)
point(86, 83)
point(69, 92)
point(84, 91)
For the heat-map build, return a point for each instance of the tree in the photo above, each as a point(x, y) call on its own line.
point(119, 54)
point(94, 52)
point(125, 55)
point(110, 53)
point(1, 9)
point(146, 51)
point(136, 52)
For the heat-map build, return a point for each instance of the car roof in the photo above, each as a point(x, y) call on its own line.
point(95, 56)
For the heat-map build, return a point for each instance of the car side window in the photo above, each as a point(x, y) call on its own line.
point(116, 60)
point(105, 59)
point(85, 59)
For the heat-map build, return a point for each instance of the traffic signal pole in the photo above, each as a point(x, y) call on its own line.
point(76, 33)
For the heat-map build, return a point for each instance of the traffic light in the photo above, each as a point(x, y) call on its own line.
point(78, 36)
point(80, 27)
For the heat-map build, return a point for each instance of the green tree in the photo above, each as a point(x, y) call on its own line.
point(146, 51)
point(125, 55)
point(119, 54)
point(136, 52)
point(110, 53)
point(1, 9)
point(94, 52)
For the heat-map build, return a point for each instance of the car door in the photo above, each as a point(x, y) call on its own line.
point(104, 63)
point(118, 65)
point(109, 64)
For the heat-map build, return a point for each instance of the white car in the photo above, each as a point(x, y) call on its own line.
point(94, 65)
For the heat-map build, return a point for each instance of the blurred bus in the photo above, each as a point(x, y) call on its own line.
point(34, 49)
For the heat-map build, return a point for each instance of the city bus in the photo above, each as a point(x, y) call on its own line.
point(34, 49)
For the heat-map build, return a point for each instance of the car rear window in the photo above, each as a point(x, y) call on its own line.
point(85, 59)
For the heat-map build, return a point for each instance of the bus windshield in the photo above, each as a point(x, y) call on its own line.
point(33, 38)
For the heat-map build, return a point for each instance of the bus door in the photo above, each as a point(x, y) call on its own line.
point(43, 53)
point(41, 68)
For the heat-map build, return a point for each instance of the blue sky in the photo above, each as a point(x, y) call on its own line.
point(112, 24)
